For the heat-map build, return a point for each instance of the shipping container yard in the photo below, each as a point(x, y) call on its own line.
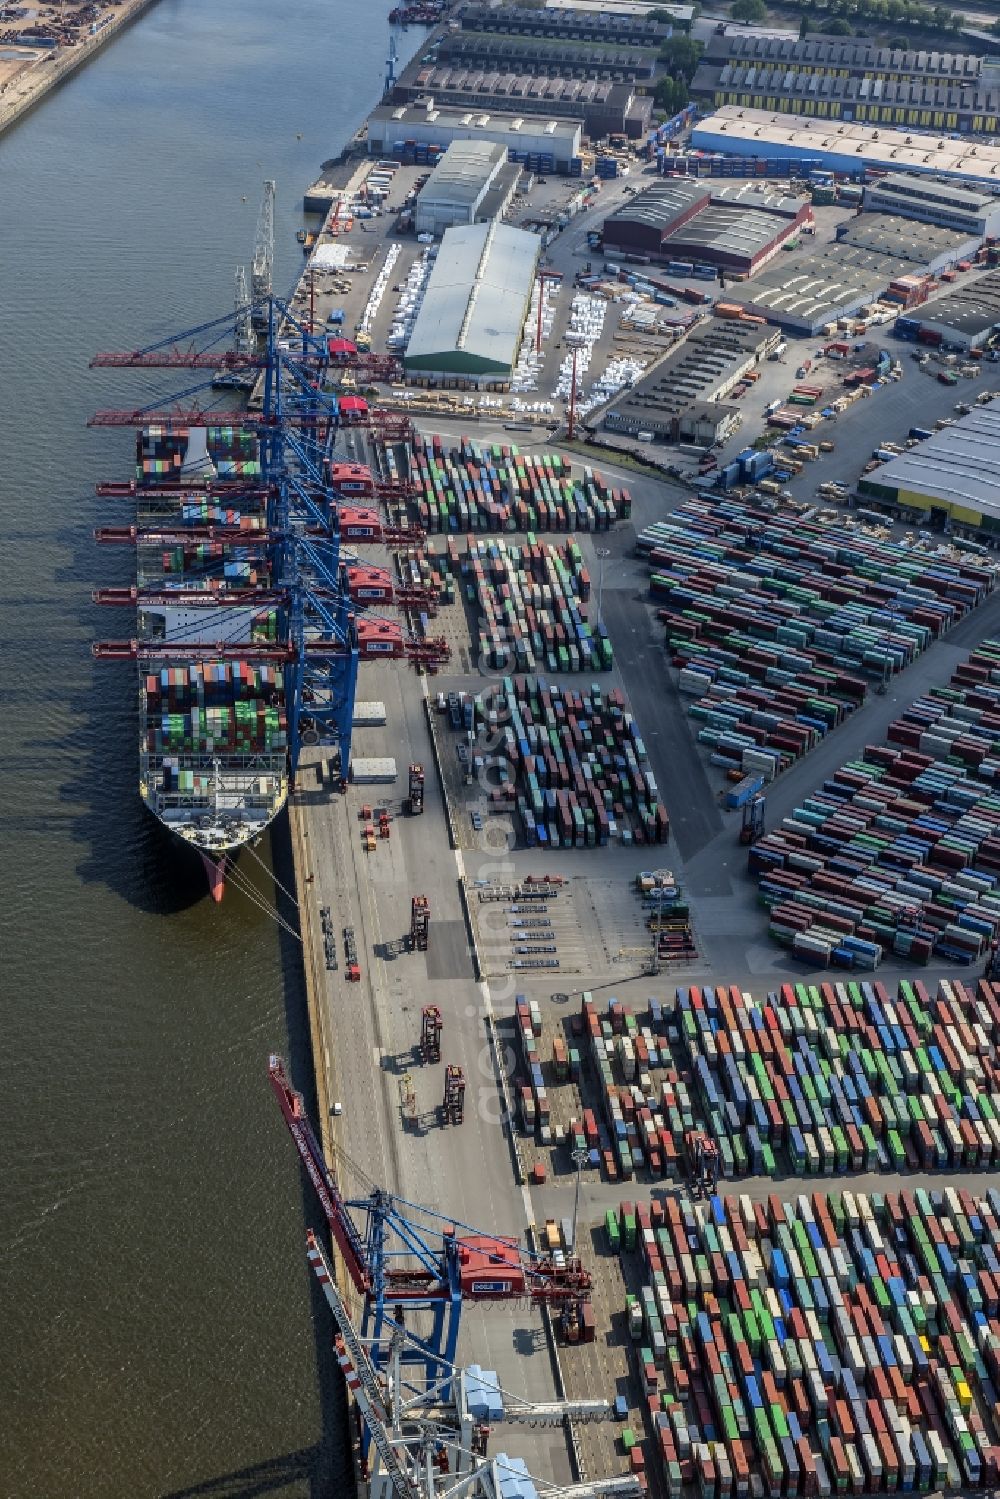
point(591, 902)
point(779, 627)
point(897, 851)
point(589, 743)
point(827, 1344)
point(534, 602)
point(808, 1080)
point(477, 487)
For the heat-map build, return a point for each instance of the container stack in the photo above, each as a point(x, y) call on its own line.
point(777, 625)
point(430, 571)
point(840, 1343)
point(497, 488)
point(533, 1100)
point(578, 765)
point(810, 1080)
point(533, 601)
point(161, 452)
point(220, 707)
point(899, 850)
point(668, 915)
point(642, 1124)
point(839, 1077)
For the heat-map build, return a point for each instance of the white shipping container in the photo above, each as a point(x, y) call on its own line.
point(377, 772)
point(368, 715)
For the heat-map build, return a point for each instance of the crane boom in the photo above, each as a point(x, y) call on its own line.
point(601, 1488)
point(555, 1412)
point(360, 1374)
point(263, 246)
point(345, 1234)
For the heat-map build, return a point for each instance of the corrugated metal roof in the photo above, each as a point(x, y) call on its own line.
point(463, 173)
point(958, 465)
point(477, 294)
point(759, 131)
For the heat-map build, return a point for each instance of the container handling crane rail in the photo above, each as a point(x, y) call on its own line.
point(430, 1442)
point(407, 1256)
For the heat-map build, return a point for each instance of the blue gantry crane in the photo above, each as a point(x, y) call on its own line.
point(295, 508)
point(403, 1258)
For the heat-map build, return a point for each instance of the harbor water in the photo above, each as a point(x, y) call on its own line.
point(160, 1334)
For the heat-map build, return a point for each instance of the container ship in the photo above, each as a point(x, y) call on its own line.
point(213, 736)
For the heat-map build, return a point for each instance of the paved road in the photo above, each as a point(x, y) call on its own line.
point(462, 1172)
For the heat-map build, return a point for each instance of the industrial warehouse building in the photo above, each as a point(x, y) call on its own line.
point(871, 251)
point(608, 59)
point(921, 106)
point(473, 182)
point(840, 79)
point(935, 200)
point(641, 225)
point(950, 476)
point(838, 56)
point(738, 228)
point(924, 246)
point(474, 309)
point(400, 125)
point(623, 24)
point(846, 148)
point(679, 400)
point(604, 106)
point(965, 317)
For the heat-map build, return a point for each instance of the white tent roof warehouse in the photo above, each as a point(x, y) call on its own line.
point(476, 301)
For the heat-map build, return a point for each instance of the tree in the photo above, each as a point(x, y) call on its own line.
point(682, 55)
point(899, 44)
point(748, 10)
point(671, 95)
point(837, 27)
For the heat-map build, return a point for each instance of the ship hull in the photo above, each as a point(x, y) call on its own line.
point(215, 869)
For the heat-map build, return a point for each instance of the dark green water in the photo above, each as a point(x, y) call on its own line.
point(158, 1332)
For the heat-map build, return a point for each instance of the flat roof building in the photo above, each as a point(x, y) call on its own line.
point(951, 475)
point(612, 9)
point(473, 313)
point(622, 24)
point(966, 316)
point(495, 52)
point(845, 148)
point(870, 251)
point(925, 246)
point(817, 289)
point(758, 195)
point(392, 125)
point(912, 102)
point(935, 200)
point(734, 237)
point(459, 185)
